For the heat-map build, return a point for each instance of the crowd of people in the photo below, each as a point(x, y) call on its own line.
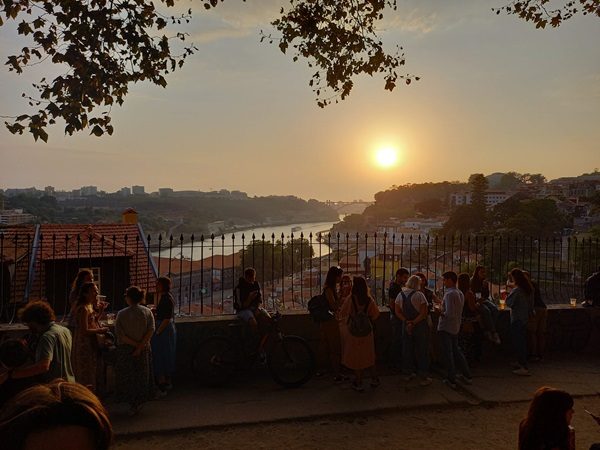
point(466, 314)
point(51, 382)
point(141, 346)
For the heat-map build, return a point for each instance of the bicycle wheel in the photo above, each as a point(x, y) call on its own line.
point(214, 361)
point(291, 361)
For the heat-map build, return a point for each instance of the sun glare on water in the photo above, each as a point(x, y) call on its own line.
point(386, 157)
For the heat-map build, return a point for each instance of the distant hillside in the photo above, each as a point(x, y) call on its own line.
point(426, 199)
point(194, 214)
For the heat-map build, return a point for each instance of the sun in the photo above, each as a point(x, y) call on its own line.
point(386, 157)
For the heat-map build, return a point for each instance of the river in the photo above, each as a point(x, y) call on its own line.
point(229, 245)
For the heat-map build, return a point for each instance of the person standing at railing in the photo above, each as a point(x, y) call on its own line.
point(485, 307)
point(358, 352)
point(448, 329)
point(164, 338)
point(83, 276)
point(428, 293)
point(330, 340)
point(396, 286)
point(86, 353)
point(344, 295)
point(134, 328)
point(412, 309)
point(536, 326)
point(520, 302)
point(470, 336)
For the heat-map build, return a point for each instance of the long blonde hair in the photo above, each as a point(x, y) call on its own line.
point(414, 282)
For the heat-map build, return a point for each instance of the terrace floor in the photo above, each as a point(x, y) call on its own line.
point(483, 415)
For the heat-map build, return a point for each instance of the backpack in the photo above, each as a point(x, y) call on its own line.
point(359, 322)
point(318, 308)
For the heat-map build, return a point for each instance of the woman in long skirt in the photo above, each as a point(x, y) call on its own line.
point(164, 339)
point(358, 353)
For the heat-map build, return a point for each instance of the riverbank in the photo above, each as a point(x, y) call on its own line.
point(226, 244)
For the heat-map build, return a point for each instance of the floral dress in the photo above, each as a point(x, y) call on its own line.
point(85, 353)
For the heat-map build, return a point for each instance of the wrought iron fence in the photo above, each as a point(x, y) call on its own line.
point(290, 268)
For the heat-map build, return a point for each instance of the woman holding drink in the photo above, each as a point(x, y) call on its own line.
point(85, 352)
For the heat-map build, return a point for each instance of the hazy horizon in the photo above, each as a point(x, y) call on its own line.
point(148, 189)
point(495, 95)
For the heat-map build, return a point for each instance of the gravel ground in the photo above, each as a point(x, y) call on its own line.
point(474, 428)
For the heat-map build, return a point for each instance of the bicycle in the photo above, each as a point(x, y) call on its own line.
point(290, 360)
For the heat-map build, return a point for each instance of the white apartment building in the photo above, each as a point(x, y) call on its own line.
point(14, 217)
point(492, 198)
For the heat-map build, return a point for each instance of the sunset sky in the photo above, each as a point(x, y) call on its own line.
point(495, 95)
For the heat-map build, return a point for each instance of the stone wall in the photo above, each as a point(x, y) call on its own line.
point(569, 330)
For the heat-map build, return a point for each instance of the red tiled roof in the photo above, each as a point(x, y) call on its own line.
point(220, 262)
point(216, 262)
point(81, 241)
point(176, 265)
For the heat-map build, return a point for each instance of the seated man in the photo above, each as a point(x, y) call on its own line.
point(247, 300)
point(53, 351)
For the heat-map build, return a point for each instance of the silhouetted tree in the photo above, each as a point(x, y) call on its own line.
point(539, 12)
point(479, 185)
point(102, 47)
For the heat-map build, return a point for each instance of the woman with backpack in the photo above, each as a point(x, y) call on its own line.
point(411, 309)
point(357, 315)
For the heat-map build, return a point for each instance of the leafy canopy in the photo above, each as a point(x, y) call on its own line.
point(103, 46)
point(541, 14)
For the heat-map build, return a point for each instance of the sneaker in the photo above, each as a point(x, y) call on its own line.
point(409, 377)
point(515, 365)
point(358, 387)
point(168, 387)
point(465, 380)
point(522, 371)
point(425, 381)
point(535, 358)
point(450, 384)
point(375, 382)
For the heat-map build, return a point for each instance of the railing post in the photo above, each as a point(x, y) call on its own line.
point(191, 274)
